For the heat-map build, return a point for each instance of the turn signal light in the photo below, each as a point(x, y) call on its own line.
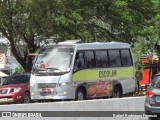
point(149, 94)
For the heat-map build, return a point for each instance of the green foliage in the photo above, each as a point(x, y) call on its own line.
point(27, 23)
point(19, 69)
point(30, 22)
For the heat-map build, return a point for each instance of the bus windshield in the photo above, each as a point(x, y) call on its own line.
point(55, 60)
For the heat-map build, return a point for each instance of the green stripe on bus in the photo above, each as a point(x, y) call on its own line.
point(114, 73)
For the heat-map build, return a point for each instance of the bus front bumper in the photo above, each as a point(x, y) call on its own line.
point(59, 95)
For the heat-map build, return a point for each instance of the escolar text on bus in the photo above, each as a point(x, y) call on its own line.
point(107, 73)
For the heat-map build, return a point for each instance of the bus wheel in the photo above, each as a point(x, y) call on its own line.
point(27, 98)
point(117, 92)
point(80, 95)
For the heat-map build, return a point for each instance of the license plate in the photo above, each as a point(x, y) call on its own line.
point(46, 90)
point(158, 98)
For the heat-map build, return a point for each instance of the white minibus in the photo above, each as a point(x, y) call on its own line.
point(80, 71)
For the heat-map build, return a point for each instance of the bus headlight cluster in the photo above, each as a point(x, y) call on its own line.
point(32, 93)
point(32, 84)
point(63, 83)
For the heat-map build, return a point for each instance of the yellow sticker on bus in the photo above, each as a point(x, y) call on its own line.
point(95, 74)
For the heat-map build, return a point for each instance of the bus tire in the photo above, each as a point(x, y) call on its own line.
point(80, 94)
point(117, 92)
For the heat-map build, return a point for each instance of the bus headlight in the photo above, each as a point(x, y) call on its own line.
point(32, 93)
point(32, 84)
point(63, 83)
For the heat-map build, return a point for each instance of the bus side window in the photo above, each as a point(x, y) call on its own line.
point(126, 58)
point(89, 59)
point(79, 61)
point(114, 58)
point(101, 58)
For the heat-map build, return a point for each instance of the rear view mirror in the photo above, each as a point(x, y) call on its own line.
point(138, 76)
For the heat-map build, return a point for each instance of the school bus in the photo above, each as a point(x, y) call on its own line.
point(72, 70)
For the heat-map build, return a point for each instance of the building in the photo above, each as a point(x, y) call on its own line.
point(11, 62)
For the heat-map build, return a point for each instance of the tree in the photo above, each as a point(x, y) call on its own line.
point(133, 21)
point(26, 24)
point(107, 20)
point(30, 22)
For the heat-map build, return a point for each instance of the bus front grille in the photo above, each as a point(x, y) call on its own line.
point(46, 85)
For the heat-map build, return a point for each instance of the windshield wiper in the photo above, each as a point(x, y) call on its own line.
point(48, 71)
point(40, 71)
point(53, 70)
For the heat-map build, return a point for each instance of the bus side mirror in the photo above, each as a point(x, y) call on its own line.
point(138, 76)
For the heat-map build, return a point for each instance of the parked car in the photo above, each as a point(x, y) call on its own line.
point(152, 102)
point(15, 89)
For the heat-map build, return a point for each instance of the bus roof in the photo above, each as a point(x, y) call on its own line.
point(98, 45)
point(101, 45)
